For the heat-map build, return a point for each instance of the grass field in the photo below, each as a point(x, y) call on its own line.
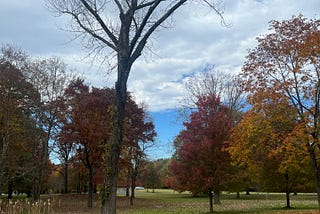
point(168, 201)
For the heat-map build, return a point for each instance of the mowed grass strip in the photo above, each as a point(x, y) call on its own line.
point(168, 201)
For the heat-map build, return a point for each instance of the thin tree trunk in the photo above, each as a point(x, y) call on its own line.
point(42, 167)
point(238, 195)
point(287, 191)
point(288, 199)
point(4, 168)
point(132, 195)
point(133, 186)
point(248, 191)
point(10, 189)
point(316, 171)
point(210, 201)
point(90, 188)
point(128, 184)
point(65, 173)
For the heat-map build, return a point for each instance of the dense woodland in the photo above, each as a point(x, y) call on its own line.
point(258, 130)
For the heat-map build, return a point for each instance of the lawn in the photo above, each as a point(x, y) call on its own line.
point(168, 201)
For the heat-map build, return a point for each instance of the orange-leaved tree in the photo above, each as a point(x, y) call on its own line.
point(265, 143)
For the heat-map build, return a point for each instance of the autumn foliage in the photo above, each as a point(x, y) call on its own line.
point(200, 163)
point(281, 76)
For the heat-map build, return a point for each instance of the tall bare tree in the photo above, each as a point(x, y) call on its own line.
point(225, 86)
point(50, 77)
point(124, 27)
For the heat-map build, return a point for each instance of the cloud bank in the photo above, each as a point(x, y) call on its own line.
point(195, 39)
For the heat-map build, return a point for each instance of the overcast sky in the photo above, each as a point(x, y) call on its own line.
point(196, 39)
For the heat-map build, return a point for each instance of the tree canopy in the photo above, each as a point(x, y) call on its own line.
point(286, 61)
point(201, 163)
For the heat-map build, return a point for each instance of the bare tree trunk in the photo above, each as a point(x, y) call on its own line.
point(111, 175)
point(316, 171)
point(10, 189)
point(287, 190)
point(210, 201)
point(112, 159)
point(42, 167)
point(238, 195)
point(90, 187)
point(128, 183)
point(5, 150)
point(65, 176)
point(133, 186)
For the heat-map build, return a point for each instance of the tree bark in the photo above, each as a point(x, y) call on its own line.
point(65, 173)
point(10, 189)
point(43, 165)
point(4, 165)
point(287, 191)
point(90, 187)
point(110, 180)
point(316, 170)
point(210, 201)
point(113, 153)
point(133, 186)
point(238, 195)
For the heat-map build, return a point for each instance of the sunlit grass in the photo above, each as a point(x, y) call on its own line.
point(168, 201)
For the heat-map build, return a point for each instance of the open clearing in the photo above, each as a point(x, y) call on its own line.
point(168, 201)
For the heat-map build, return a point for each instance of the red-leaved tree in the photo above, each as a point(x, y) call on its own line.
point(200, 163)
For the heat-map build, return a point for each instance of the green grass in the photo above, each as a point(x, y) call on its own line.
point(170, 202)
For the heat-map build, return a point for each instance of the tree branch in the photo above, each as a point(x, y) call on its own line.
point(219, 12)
point(143, 41)
point(101, 22)
point(90, 31)
point(141, 6)
point(119, 6)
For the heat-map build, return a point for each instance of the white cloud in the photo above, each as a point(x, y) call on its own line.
point(197, 38)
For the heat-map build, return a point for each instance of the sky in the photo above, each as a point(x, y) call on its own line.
point(195, 39)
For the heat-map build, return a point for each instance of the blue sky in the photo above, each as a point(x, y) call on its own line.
point(195, 39)
point(168, 125)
